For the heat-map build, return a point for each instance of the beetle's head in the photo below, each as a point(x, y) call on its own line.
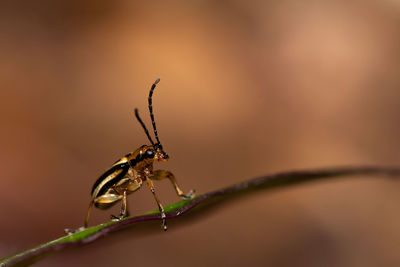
point(153, 153)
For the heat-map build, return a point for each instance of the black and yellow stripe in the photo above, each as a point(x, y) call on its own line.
point(119, 170)
point(109, 178)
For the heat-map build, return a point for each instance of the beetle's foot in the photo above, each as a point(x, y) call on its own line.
point(190, 195)
point(164, 221)
point(73, 231)
point(117, 218)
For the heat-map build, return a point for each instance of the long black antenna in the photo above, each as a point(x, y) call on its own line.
point(144, 126)
point(151, 110)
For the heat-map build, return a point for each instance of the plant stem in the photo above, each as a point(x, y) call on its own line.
point(282, 179)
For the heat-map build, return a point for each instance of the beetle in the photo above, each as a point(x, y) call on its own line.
point(129, 173)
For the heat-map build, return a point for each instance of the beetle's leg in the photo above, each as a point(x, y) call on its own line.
point(160, 207)
point(105, 201)
point(162, 174)
point(124, 208)
point(85, 224)
point(88, 214)
point(134, 185)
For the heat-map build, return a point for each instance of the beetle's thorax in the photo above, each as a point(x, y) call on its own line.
point(139, 159)
point(144, 157)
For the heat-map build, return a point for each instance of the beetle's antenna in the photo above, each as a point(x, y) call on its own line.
point(144, 126)
point(151, 109)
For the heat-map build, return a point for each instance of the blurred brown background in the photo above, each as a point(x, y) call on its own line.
point(248, 88)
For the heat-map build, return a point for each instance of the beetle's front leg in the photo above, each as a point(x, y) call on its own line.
point(160, 206)
point(162, 174)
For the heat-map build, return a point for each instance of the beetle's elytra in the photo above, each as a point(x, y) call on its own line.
point(128, 174)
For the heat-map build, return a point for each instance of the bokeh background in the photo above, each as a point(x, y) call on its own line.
point(248, 88)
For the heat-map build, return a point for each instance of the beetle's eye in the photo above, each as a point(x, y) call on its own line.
point(150, 153)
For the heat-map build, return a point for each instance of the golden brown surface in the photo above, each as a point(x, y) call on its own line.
point(247, 88)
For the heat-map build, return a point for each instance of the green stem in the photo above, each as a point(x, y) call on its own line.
point(283, 179)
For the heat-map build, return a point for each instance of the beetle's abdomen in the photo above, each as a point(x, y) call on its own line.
point(109, 178)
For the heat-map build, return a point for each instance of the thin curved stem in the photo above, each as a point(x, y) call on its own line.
point(177, 209)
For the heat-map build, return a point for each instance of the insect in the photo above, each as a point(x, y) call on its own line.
point(129, 173)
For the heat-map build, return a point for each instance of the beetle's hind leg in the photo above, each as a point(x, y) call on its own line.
point(162, 174)
point(85, 224)
point(88, 214)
